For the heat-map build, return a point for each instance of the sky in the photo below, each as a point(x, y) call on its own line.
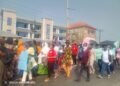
point(101, 14)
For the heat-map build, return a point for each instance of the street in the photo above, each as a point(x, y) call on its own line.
point(62, 81)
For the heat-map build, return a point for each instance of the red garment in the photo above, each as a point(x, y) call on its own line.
point(51, 55)
point(74, 49)
point(60, 59)
point(86, 56)
point(118, 53)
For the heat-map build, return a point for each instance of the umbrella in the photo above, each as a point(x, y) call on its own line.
point(107, 43)
point(93, 42)
point(88, 40)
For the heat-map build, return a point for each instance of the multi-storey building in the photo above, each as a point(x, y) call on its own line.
point(31, 29)
point(8, 21)
point(79, 31)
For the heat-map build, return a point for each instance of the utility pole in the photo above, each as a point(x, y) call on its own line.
point(67, 19)
point(99, 32)
point(67, 12)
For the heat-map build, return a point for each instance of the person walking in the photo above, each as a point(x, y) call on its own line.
point(106, 61)
point(85, 64)
point(92, 60)
point(98, 52)
point(2, 54)
point(74, 49)
point(22, 64)
point(51, 61)
point(67, 61)
point(80, 54)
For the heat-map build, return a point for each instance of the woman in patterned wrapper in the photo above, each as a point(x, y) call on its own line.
point(67, 61)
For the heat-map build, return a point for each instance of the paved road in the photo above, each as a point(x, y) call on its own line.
point(61, 81)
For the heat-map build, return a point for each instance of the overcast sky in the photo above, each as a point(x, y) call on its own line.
point(101, 14)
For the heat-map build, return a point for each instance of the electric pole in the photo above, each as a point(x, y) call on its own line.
point(67, 19)
point(99, 32)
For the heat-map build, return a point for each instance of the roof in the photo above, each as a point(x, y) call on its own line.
point(80, 24)
point(20, 19)
point(59, 26)
point(8, 10)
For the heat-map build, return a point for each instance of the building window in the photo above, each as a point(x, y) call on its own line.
point(9, 21)
point(54, 30)
point(91, 32)
point(62, 31)
point(37, 35)
point(48, 31)
point(22, 25)
point(37, 27)
point(25, 25)
point(23, 34)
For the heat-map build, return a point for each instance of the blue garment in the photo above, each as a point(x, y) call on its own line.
point(80, 52)
point(105, 68)
point(23, 61)
point(99, 63)
point(20, 73)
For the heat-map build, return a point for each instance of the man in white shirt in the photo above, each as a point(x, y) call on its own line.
point(105, 62)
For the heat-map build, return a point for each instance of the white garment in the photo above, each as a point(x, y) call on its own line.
point(34, 63)
point(43, 53)
point(56, 48)
point(105, 55)
point(25, 76)
point(85, 48)
point(45, 49)
point(92, 56)
point(60, 50)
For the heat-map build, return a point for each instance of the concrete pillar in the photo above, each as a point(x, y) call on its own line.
point(29, 31)
point(44, 28)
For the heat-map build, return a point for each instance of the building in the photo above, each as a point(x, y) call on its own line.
point(79, 31)
point(31, 29)
point(59, 33)
point(8, 21)
point(28, 29)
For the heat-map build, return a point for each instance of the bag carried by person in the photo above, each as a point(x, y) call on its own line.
point(42, 70)
point(80, 53)
point(109, 56)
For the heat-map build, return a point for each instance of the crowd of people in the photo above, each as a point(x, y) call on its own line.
point(25, 60)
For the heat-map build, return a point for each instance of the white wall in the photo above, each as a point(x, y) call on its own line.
point(44, 24)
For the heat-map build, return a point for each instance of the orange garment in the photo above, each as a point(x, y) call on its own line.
point(67, 61)
point(38, 49)
point(20, 47)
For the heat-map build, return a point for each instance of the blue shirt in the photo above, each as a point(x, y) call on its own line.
point(23, 61)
